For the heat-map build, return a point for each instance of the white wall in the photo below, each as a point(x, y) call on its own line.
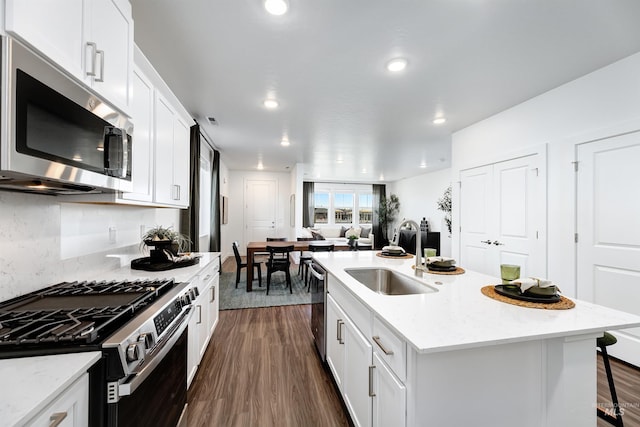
point(600, 104)
point(235, 228)
point(418, 198)
point(44, 241)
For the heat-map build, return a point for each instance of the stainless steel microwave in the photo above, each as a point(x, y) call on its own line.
point(57, 137)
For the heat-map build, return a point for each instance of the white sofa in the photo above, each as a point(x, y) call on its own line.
point(335, 234)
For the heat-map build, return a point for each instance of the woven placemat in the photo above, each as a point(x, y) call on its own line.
point(393, 256)
point(564, 303)
point(458, 270)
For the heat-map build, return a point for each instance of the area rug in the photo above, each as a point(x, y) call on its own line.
point(232, 298)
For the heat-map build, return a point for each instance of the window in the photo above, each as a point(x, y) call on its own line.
point(320, 208)
point(365, 208)
point(343, 208)
point(344, 204)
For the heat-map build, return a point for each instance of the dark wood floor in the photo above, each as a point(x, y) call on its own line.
point(261, 369)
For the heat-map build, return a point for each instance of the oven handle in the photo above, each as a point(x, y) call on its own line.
point(161, 351)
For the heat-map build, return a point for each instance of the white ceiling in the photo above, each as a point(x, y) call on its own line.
point(325, 63)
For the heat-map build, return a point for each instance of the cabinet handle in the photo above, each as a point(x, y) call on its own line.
point(488, 242)
point(199, 314)
point(94, 48)
point(376, 339)
point(371, 393)
point(57, 418)
point(339, 323)
point(176, 192)
point(101, 53)
point(497, 243)
point(213, 294)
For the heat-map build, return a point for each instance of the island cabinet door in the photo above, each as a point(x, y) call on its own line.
point(335, 341)
point(390, 400)
point(358, 375)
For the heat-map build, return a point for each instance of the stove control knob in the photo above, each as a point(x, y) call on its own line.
point(196, 291)
point(133, 353)
point(146, 340)
point(186, 300)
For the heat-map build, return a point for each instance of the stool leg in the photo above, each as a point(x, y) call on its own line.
point(617, 420)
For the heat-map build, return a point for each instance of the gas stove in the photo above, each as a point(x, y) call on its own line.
point(72, 315)
point(139, 326)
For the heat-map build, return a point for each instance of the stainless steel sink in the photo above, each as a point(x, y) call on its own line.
point(388, 282)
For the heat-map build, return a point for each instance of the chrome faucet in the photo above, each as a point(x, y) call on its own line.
point(419, 266)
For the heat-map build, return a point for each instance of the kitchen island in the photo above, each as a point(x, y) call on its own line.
point(456, 357)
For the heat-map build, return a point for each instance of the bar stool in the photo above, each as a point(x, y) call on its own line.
point(602, 343)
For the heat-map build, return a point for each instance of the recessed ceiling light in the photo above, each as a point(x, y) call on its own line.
point(270, 103)
point(439, 120)
point(260, 166)
point(423, 165)
point(364, 170)
point(339, 160)
point(285, 142)
point(397, 64)
point(276, 7)
point(381, 177)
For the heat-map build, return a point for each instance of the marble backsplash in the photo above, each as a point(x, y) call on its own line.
point(44, 241)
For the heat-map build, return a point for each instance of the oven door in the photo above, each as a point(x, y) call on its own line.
point(157, 395)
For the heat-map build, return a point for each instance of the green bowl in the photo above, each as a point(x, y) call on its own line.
point(549, 291)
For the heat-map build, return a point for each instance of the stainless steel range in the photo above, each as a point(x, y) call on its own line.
point(139, 326)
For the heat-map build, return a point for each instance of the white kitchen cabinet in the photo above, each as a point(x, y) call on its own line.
point(69, 409)
point(349, 356)
point(205, 316)
point(390, 400)
point(143, 147)
point(358, 385)
point(335, 341)
point(171, 155)
point(92, 40)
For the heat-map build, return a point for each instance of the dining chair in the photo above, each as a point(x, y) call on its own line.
point(322, 247)
point(304, 255)
point(279, 261)
point(240, 265)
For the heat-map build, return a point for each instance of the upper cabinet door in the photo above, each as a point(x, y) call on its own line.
point(54, 28)
point(111, 30)
point(92, 40)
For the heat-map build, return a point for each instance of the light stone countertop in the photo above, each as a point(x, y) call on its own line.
point(459, 316)
point(29, 384)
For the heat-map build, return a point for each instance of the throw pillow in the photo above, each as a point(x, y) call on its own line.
point(317, 235)
point(306, 233)
point(352, 232)
point(365, 232)
point(343, 231)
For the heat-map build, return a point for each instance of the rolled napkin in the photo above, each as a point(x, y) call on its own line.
point(529, 282)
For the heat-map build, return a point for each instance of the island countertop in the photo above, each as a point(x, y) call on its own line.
point(458, 315)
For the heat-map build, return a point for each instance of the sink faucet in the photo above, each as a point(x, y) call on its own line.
point(419, 267)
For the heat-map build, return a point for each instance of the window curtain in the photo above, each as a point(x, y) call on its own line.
point(379, 235)
point(214, 243)
point(307, 204)
point(190, 217)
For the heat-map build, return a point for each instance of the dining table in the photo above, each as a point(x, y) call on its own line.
point(259, 247)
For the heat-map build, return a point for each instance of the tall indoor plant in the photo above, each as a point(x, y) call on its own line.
point(387, 212)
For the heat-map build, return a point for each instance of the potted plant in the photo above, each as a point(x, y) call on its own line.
point(165, 238)
point(387, 211)
point(444, 205)
point(352, 241)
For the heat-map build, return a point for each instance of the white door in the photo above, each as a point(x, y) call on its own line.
point(260, 210)
point(502, 216)
point(608, 227)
